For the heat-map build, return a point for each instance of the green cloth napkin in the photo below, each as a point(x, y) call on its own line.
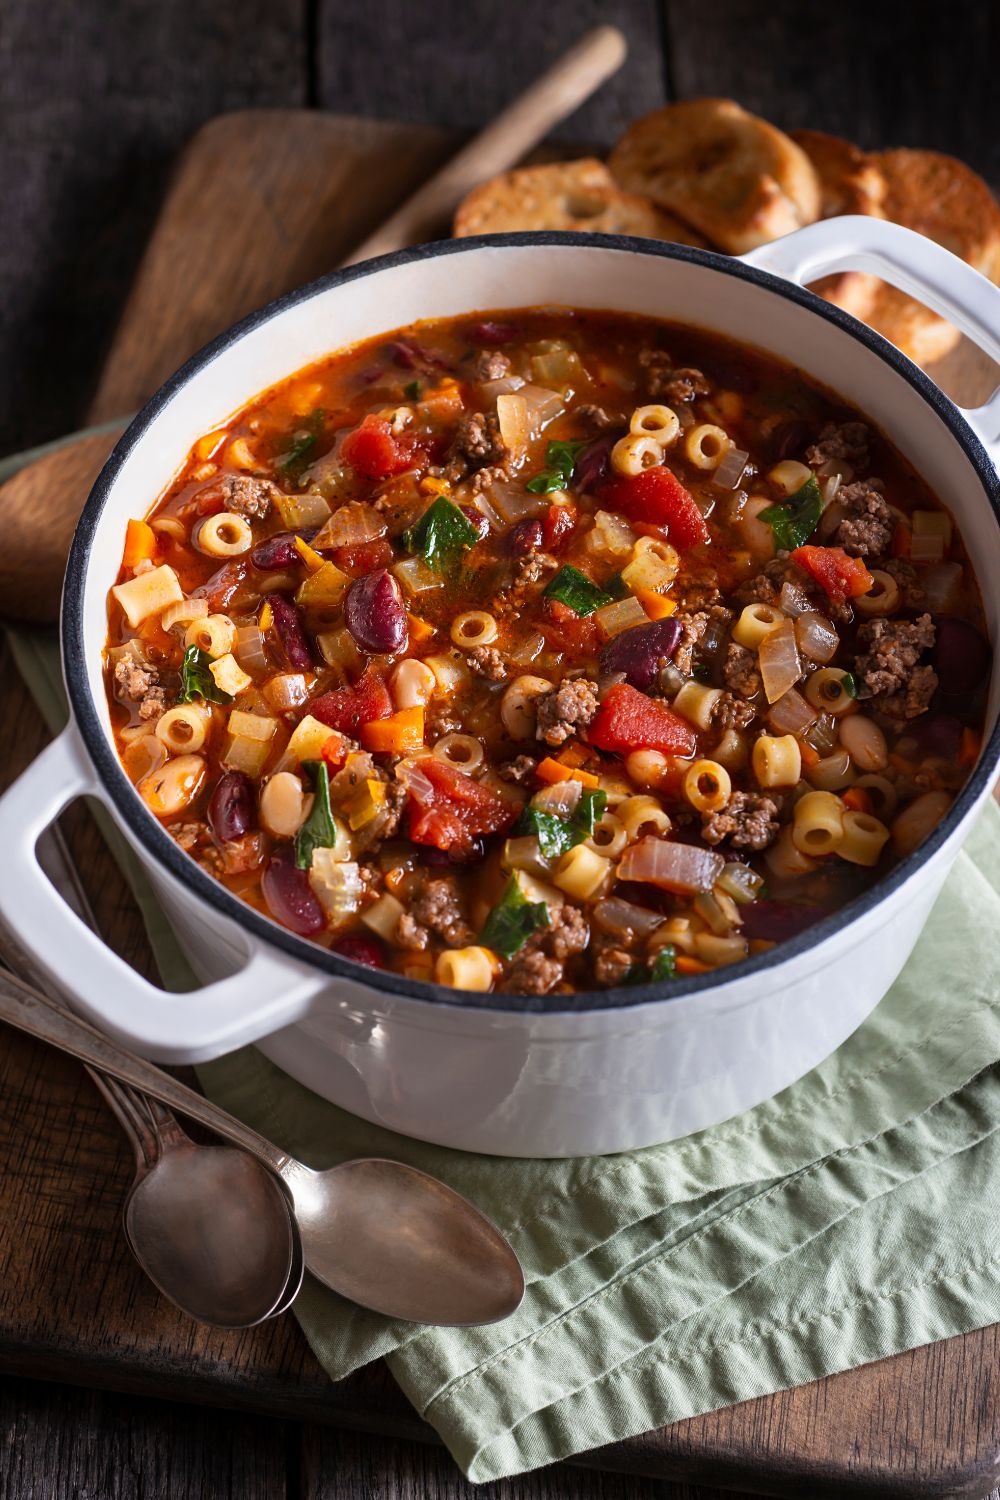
point(851, 1217)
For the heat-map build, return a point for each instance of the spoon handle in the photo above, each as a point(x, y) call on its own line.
point(23, 1007)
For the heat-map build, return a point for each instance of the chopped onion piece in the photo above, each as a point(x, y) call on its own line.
point(492, 515)
point(507, 384)
point(525, 854)
point(610, 536)
point(336, 884)
point(248, 649)
point(729, 473)
point(829, 488)
point(514, 503)
point(542, 407)
point(515, 428)
point(618, 916)
point(816, 637)
point(683, 868)
point(792, 714)
point(286, 690)
point(559, 799)
point(622, 615)
point(780, 664)
point(525, 651)
point(719, 911)
point(793, 600)
point(740, 882)
point(823, 734)
point(415, 576)
point(351, 525)
point(942, 585)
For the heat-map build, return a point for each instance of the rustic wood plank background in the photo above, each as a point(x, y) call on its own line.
point(96, 99)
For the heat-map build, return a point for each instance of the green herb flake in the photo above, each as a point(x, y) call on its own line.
point(319, 830)
point(441, 535)
point(560, 462)
point(513, 920)
point(617, 587)
point(794, 523)
point(701, 674)
point(555, 835)
point(663, 966)
point(412, 390)
point(575, 589)
point(850, 684)
point(197, 680)
point(302, 446)
point(589, 811)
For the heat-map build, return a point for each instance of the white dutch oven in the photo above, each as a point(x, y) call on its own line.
point(504, 1073)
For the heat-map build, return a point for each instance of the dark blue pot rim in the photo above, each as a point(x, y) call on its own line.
point(150, 836)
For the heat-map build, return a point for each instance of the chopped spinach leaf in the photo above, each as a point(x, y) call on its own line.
point(300, 450)
point(575, 589)
point(793, 524)
point(560, 461)
point(589, 811)
point(850, 684)
point(701, 673)
point(441, 535)
point(513, 920)
point(197, 680)
point(617, 587)
point(663, 966)
point(412, 390)
point(319, 830)
point(557, 835)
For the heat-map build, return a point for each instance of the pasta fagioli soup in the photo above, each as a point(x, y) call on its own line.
point(546, 651)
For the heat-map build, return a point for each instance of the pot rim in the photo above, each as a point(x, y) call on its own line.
point(153, 839)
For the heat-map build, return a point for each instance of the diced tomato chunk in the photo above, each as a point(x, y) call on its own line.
point(364, 557)
point(563, 628)
point(374, 452)
point(348, 708)
point(455, 809)
point(627, 720)
point(559, 523)
point(657, 497)
point(842, 577)
point(334, 750)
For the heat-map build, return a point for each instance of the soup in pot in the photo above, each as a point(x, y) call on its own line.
point(546, 651)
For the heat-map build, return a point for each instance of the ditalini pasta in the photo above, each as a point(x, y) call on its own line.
point(546, 651)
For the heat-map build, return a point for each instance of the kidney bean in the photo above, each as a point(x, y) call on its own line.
point(361, 950)
point(527, 536)
point(593, 465)
point(640, 651)
point(291, 632)
point(775, 921)
point(790, 439)
point(375, 614)
point(279, 551)
point(936, 734)
point(289, 895)
point(961, 656)
point(475, 516)
point(469, 854)
point(230, 808)
point(410, 355)
point(492, 333)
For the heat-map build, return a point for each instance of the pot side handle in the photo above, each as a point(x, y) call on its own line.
point(270, 992)
point(914, 264)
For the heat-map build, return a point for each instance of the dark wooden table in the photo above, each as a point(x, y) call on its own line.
point(95, 101)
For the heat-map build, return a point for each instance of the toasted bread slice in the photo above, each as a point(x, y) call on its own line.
point(565, 195)
point(850, 182)
point(737, 179)
point(945, 200)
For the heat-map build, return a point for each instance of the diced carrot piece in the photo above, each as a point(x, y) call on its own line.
point(857, 799)
point(573, 755)
point(551, 771)
point(309, 555)
point(395, 735)
point(140, 544)
point(685, 964)
point(970, 746)
point(656, 605)
point(810, 757)
point(419, 629)
point(334, 750)
point(902, 539)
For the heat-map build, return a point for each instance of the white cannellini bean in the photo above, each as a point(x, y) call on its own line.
point(413, 684)
point(283, 805)
point(864, 742)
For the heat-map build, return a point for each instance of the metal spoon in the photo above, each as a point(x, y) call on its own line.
point(209, 1225)
point(383, 1234)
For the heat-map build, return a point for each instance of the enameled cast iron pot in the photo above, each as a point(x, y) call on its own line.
point(557, 1076)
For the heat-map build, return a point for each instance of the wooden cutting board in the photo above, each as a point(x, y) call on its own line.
point(259, 203)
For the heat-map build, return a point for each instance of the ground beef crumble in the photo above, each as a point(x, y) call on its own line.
point(520, 770)
point(486, 661)
point(596, 416)
point(541, 963)
point(889, 665)
point(477, 444)
point(749, 820)
point(436, 912)
point(740, 672)
point(531, 568)
point(731, 712)
point(138, 682)
point(693, 625)
point(612, 962)
point(567, 709)
point(911, 589)
point(765, 588)
point(670, 383)
point(848, 441)
point(242, 494)
point(868, 523)
point(490, 364)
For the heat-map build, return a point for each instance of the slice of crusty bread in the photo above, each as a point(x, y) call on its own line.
point(565, 195)
point(737, 179)
point(945, 200)
point(850, 182)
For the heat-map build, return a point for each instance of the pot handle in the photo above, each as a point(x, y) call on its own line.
point(914, 264)
point(268, 993)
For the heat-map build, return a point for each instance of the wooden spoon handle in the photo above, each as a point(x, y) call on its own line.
point(502, 144)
